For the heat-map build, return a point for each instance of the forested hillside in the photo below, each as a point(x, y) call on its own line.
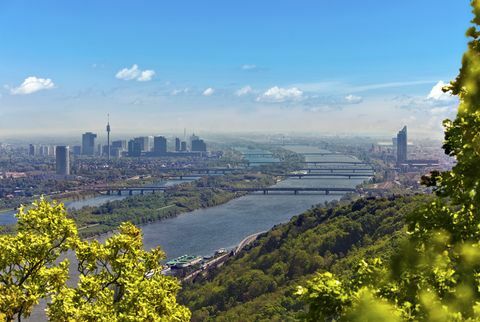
point(260, 283)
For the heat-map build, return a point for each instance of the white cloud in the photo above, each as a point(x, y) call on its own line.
point(353, 99)
point(31, 85)
point(249, 67)
point(135, 73)
point(128, 73)
point(278, 95)
point(146, 75)
point(244, 91)
point(208, 92)
point(176, 92)
point(437, 94)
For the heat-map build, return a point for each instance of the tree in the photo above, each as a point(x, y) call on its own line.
point(29, 270)
point(119, 281)
point(436, 274)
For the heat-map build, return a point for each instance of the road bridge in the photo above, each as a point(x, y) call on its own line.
point(295, 190)
point(329, 169)
point(200, 170)
point(332, 174)
point(310, 162)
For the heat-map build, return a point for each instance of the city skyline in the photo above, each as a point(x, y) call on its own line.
point(229, 67)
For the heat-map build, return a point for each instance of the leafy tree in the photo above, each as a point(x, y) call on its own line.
point(436, 274)
point(119, 281)
point(29, 270)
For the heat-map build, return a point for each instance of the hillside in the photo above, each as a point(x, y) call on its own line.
point(259, 284)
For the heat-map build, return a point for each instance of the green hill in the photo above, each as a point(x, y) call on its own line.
point(259, 284)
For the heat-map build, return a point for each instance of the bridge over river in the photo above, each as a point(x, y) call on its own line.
point(265, 190)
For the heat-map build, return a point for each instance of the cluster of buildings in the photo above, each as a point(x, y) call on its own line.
point(144, 146)
point(148, 146)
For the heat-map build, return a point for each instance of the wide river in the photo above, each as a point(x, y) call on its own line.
point(202, 232)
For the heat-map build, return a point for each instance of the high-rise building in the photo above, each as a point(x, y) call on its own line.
point(177, 144)
point(120, 144)
point(199, 145)
point(183, 146)
point(108, 138)
point(402, 145)
point(134, 148)
point(62, 164)
point(31, 150)
point(77, 150)
point(88, 143)
point(159, 145)
point(144, 143)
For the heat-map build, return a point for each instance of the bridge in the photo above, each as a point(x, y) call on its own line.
point(310, 162)
point(201, 170)
point(354, 170)
point(331, 174)
point(295, 190)
point(119, 190)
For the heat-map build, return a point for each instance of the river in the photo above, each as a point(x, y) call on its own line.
point(203, 231)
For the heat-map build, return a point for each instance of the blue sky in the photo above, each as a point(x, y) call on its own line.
point(312, 66)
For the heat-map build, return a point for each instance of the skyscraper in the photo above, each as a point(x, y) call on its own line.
point(402, 145)
point(177, 144)
point(62, 164)
point(159, 145)
point(88, 143)
point(134, 148)
point(108, 137)
point(199, 146)
point(31, 150)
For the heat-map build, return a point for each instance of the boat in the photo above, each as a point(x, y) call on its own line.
point(184, 261)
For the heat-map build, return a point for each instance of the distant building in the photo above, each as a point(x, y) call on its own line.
point(183, 146)
point(77, 150)
point(199, 146)
point(177, 145)
point(88, 143)
point(120, 144)
point(159, 145)
point(108, 138)
point(143, 142)
point(402, 145)
point(134, 148)
point(31, 150)
point(62, 164)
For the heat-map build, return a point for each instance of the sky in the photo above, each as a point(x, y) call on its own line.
point(304, 66)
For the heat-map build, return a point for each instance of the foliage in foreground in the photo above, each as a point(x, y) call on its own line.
point(435, 275)
point(119, 281)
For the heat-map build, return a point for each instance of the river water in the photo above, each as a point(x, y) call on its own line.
point(203, 231)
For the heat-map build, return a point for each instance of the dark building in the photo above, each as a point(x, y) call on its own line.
point(159, 145)
point(177, 145)
point(88, 143)
point(31, 150)
point(402, 145)
point(183, 146)
point(62, 164)
point(134, 148)
point(108, 139)
point(120, 144)
point(77, 150)
point(199, 145)
point(143, 142)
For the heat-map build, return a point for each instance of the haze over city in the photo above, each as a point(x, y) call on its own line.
point(351, 67)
